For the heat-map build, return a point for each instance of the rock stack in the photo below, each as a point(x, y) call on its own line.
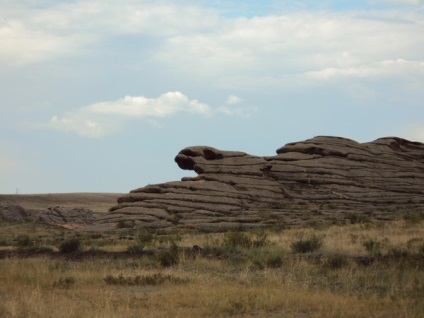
point(320, 180)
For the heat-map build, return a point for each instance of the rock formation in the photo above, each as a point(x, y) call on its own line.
point(323, 179)
point(71, 218)
point(14, 214)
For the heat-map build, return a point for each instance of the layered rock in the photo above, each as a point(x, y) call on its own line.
point(71, 218)
point(14, 214)
point(323, 179)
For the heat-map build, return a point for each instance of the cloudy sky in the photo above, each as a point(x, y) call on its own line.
point(100, 95)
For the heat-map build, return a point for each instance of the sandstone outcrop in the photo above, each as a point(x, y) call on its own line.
point(71, 218)
point(14, 214)
point(323, 179)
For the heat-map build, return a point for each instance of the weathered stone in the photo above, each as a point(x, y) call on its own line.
point(14, 214)
point(323, 179)
point(71, 218)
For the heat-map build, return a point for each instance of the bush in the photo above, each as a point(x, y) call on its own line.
point(23, 241)
point(336, 262)
point(169, 257)
point(274, 261)
point(136, 247)
point(373, 247)
point(237, 240)
point(145, 237)
point(260, 239)
point(398, 252)
point(152, 279)
point(71, 245)
point(310, 244)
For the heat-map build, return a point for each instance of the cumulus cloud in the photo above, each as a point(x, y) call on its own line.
point(100, 119)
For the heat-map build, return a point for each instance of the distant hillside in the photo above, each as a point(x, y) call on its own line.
point(97, 202)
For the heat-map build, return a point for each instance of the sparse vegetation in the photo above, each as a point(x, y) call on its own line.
point(70, 245)
point(151, 279)
point(64, 282)
point(362, 269)
point(311, 243)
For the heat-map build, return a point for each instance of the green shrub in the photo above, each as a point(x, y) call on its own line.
point(145, 237)
point(70, 245)
point(307, 245)
point(398, 252)
point(237, 240)
point(260, 239)
point(373, 247)
point(136, 247)
point(23, 240)
point(336, 262)
point(167, 258)
point(152, 279)
point(274, 261)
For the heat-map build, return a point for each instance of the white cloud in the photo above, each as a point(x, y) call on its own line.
point(386, 68)
point(401, 2)
point(296, 45)
point(237, 111)
point(233, 99)
point(22, 45)
point(30, 35)
point(165, 105)
point(100, 119)
point(230, 109)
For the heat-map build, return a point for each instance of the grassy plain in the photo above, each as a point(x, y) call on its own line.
point(97, 202)
point(356, 270)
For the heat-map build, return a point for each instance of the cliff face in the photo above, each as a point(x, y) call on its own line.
point(323, 179)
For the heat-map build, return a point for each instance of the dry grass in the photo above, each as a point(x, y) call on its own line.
point(231, 284)
point(97, 202)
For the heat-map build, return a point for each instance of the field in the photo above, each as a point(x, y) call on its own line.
point(357, 270)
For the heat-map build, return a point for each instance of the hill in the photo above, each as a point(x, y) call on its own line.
point(97, 202)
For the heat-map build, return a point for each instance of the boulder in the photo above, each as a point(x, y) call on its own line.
point(323, 179)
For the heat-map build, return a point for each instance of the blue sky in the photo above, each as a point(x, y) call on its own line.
point(99, 96)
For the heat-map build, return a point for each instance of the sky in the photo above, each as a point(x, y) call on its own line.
point(101, 95)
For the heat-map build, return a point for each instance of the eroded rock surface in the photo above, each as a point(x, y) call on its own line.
point(71, 218)
point(323, 179)
point(14, 214)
